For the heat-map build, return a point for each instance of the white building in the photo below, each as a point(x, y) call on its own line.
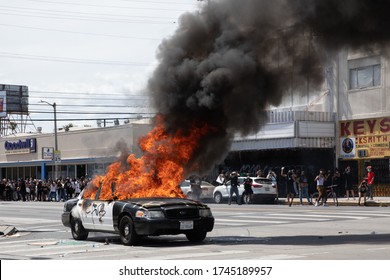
point(81, 152)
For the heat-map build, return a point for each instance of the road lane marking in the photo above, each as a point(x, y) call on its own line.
point(250, 221)
point(322, 216)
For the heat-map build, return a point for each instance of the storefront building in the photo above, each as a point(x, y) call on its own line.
point(81, 153)
point(366, 142)
point(363, 110)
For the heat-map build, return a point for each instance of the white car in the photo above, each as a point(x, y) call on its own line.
point(263, 190)
point(207, 189)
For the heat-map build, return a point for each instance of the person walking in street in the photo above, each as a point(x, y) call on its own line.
point(290, 192)
point(234, 188)
point(61, 191)
point(248, 192)
point(273, 177)
point(370, 181)
point(347, 176)
point(196, 190)
point(320, 180)
point(303, 188)
point(76, 187)
point(221, 180)
point(53, 190)
point(68, 189)
point(295, 178)
point(336, 180)
point(363, 188)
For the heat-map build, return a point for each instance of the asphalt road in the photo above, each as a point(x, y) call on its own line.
point(269, 232)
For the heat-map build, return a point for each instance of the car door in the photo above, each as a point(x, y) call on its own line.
point(103, 215)
point(84, 208)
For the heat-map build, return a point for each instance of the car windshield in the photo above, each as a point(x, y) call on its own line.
point(185, 184)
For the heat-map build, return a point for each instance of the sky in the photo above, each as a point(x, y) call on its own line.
point(91, 57)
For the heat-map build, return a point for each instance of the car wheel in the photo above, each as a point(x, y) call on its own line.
point(127, 231)
point(196, 236)
point(78, 230)
point(218, 197)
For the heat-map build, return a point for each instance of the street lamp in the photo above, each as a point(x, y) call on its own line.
point(54, 105)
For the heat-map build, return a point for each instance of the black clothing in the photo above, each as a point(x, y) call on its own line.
point(248, 185)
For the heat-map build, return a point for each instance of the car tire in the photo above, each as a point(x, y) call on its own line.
point(127, 232)
point(218, 197)
point(78, 230)
point(196, 236)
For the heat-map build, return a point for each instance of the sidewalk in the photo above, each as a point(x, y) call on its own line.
point(382, 201)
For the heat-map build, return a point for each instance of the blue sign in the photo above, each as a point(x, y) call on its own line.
point(28, 145)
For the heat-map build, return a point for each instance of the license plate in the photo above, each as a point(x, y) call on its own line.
point(185, 225)
point(267, 189)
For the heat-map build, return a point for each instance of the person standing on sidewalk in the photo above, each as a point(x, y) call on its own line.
point(363, 187)
point(370, 181)
point(347, 176)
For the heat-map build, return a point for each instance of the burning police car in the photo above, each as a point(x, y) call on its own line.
point(135, 218)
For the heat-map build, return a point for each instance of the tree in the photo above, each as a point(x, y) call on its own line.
point(13, 126)
point(67, 127)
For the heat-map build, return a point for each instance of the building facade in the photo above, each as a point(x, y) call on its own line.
point(363, 127)
point(82, 153)
point(345, 123)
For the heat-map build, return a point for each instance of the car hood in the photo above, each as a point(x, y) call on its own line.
point(155, 202)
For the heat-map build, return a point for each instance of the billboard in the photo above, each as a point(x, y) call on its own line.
point(16, 99)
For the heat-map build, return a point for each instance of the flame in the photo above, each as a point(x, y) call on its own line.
point(157, 173)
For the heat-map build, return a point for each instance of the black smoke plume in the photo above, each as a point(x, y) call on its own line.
point(231, 59)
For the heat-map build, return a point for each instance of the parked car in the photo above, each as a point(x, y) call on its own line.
point(206, 187)
point(135, 218)
point(263, 190)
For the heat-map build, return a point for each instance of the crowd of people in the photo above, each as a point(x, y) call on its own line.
point(293, 183)
point(296, 183)
point(41, 190)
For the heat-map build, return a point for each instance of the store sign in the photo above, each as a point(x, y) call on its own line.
point(371, 137)
point(57, 156)
point(25, 146)
point(47, 153)
point(348, 147)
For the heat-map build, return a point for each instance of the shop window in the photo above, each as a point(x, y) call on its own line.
point(365, 77)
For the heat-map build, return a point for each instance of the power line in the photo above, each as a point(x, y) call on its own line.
point(110, 94)
point(85, 98)
point(119, 7)
point(71, 60)
point(89, 113)
point(80, 33)
point(96, 119)
point(72, 13)
point(59, 17)
point(94, 105)
point(157, 2)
